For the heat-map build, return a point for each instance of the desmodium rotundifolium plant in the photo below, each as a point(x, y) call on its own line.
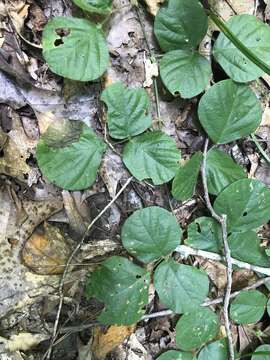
point(69, 154)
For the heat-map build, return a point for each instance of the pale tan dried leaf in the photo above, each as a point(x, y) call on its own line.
point(153, 6)
point(151, 70)
point(24, 341)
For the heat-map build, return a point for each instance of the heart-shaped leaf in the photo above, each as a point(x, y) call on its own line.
point(261, 353)
point(152, 155)
point(185, 72)
point(229, 111)
point(216, 350)
point(255, 35)
point(176, 355)
point(182, 288)
point(123, 287)
point(75, 48)
point(128, 110)
point(102, 7)
point(148, 238)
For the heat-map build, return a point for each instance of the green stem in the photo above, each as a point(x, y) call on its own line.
point(253, 137)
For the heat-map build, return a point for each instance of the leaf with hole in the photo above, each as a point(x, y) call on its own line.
point(74, 165)
point(182, 288)
point(229, 111)
point(122, 287)
point(248, 307)
point(102, 7)
point(185, 180)
point(75, 48)
point(152, 155)
point(185, 72)
point(216, 350)
point(255, 35)
point(175, 24)
point(128, 110)
point(151, 233)
point(261, 353)
point(197, 328)
point(176, 355)
point(246, 203)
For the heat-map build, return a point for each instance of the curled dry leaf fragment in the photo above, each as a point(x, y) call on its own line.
point(151, 70)
point(24, 341)
point(153, 6)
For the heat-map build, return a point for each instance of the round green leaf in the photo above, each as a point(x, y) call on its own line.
point(262, 353)
point(151, 233)
point(216, 350)
point(74, 165)
point(246, 203)
point(248, 307)
point(152, 155)
point(175, 23)
point(229, 111)
point(176, 355)
point(102, 7)
point(255, 35)
point(75, 48)
point(128, 110)
point(185, 72)
point(123, 287)
point(195, 329)
point(182, 288)
point(221, 171)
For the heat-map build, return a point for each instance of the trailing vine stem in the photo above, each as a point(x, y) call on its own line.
point(222, 220)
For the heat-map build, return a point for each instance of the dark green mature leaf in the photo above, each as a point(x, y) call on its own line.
point(75, 48)
point(102, 7)
point(248, 307)
point(185, 72)
point(184, 183)
point(262, 353)
point(73, 166)
point(221, 171)
point(123, 287)
point(180, 24)
point(176, 355)
point(182, 288)
point(128, 110)
point(216, 350)
point(229, 111)
point(197, 328)
point(152, 155)
point(151, 233)
point(255, 35)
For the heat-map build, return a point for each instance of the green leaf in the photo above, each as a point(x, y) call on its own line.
point(74, 165)
point(185, 72)
point(176, 22)
point(176, 355)
point(205, 234)
point(128, 110)
point(248, 307)
point(151, 233)
point(102, 7)
point(123, 287)
point(182, 288)
point(246, 203)
point(75, 48)
point(261, 353)
point(229, 111)
point(221, 171)
point(216, 350)
point(255, 35)
point(184, 183)
point(197, 328)
point(152, 155)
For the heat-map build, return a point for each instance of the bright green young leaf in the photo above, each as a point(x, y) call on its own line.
point(248, 307)
point(216, 350)
point(186, 178)
point(102, 7)
point(229, 111)
point(74, 165)
point(152, 155)
point(246, 203)
point(75, 48)
point(221, 171)
point(180, 24)
point(197, 328)
point(176, 355)
point(204, 233)
point(182, 288)
point(185, 72)
point(261, 353)
point(128, 110)
point(151, 233)
point(122, 287)
point(255, 35)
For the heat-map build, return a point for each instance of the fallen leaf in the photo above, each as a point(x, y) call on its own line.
point(151, 70)
point(24, 341)
point(153, 6)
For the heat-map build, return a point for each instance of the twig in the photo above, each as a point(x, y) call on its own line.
point(263, 153)
point(74, 252)
point(223, 222)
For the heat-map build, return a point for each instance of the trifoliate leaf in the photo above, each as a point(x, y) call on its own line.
point(102, 7)
point(176, 355)
point(216, 350)
point(261, 353)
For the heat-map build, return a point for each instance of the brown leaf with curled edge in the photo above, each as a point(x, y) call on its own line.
point(153, 6)
point(104, 343)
